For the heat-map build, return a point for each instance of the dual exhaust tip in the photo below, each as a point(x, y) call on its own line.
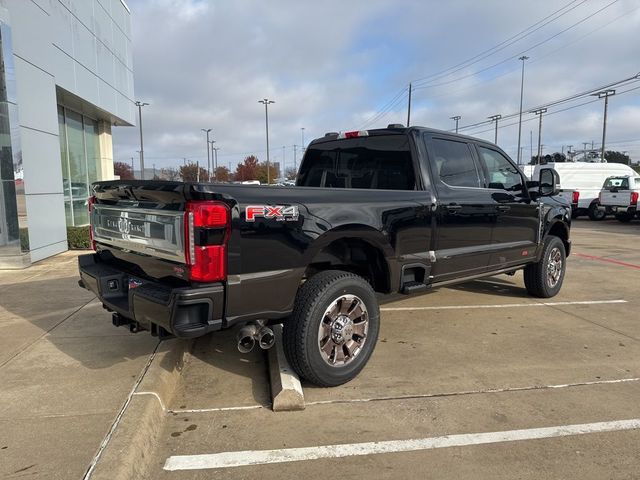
point(252, 334)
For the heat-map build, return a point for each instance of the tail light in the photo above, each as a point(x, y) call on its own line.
point(575, 197)
point(634, 198)
point(207, 226)
point(90, 202)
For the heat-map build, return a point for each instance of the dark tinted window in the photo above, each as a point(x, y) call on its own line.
point(454, 163)
point(621, 183)
point(500, 173)
point(376, 162)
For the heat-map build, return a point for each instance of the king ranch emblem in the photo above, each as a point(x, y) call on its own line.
point(280, 213)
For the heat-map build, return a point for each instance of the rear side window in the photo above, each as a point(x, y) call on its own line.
point(454, 163)
point(376, 162)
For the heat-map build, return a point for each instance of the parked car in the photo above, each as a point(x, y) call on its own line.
point(620, 194)
point(373, 213)
point(587, 179)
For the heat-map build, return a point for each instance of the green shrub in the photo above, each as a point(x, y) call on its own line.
point(78, 238)
point(24, 239)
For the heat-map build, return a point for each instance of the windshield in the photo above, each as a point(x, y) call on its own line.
point(380, 162)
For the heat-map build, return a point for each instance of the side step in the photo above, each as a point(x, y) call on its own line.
point(413, 287)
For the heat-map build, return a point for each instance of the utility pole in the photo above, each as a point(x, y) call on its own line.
point(409, 107)
point(207, 130)
point(302, 148)
point(584, 150)
point(531, 145)
point(154, 171)
point(295, 158)
point(495, 118)
point(214, 167)
point(569, 151)
point(133, 174)
point(456, 118)
point(523, 59)
point(283, 162)
point(215, 163)
point(604, 94)
point(198, 169)
point(140, 104)
point(266, 103)
point(539, 112)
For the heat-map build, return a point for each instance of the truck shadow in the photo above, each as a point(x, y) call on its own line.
point(223, 375)
point(494, 286)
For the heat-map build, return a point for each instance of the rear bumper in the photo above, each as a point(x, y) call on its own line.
point(621, 208)
point(183, 312)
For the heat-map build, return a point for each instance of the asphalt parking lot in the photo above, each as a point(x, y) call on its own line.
point(468, 360)
point(472, 381)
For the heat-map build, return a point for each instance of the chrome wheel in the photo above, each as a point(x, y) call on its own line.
point(554, 267)
point(343, 330)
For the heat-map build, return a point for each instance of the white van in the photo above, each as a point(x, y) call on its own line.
point(586, 178)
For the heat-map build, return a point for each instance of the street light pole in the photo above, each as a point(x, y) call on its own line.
point(302, 130)
point(266, 103)
point(409, 107)
point(215, 168)
point(495, 118)
point(456, 119)
point(140, 104)
point(540, 112)
point(207, 130)
point(522, 58)
point(604, 94)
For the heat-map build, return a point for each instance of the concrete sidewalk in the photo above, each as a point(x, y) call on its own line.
point(65, 371)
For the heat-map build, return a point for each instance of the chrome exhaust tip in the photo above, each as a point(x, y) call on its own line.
point(266, 338)
point(247, 338)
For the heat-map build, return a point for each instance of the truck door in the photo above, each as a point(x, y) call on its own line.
point(515, 230)
point(464, 211)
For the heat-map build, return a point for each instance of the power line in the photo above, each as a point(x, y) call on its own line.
point(504, 44)
point(520, 53)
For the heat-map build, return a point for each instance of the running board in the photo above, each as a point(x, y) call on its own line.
point(413, 287)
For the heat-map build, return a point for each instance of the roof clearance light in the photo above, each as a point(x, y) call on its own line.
point(354, 134)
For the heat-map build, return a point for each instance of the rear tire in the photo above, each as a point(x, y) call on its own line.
point(596, 213)
point(544, 279)
point(334, 327)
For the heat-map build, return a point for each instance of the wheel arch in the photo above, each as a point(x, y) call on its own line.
point(359, 249)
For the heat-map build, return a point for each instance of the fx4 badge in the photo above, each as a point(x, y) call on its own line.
point(279, 213)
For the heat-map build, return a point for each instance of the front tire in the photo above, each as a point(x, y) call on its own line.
point(544, 279)
point(334, 327)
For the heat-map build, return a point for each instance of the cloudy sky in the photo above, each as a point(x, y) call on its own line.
point(336, 66)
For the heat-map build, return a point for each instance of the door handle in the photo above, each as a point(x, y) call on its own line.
point(453, 208)
point(504, 208)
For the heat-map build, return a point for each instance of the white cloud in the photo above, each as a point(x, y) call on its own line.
point(331, 65)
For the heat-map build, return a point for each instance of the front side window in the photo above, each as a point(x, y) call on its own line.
point(501, 173)
point(454, 163)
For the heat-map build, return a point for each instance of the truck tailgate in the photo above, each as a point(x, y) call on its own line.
point(620, 198)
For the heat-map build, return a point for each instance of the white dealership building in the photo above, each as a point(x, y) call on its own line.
point(66, 78)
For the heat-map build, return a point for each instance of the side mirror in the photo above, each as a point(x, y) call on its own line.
point(549, 184)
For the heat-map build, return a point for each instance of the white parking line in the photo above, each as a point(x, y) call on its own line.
point(262, 457)
point(503, 305)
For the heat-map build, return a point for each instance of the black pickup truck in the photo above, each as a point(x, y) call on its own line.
point(373, 213)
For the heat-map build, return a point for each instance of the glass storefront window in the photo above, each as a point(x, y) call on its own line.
point(80, 153)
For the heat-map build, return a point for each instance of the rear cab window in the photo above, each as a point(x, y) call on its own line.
point(372, 162)
point(621, 183)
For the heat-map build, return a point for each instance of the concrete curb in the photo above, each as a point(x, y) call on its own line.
point(286, 391)
point(128, 452)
